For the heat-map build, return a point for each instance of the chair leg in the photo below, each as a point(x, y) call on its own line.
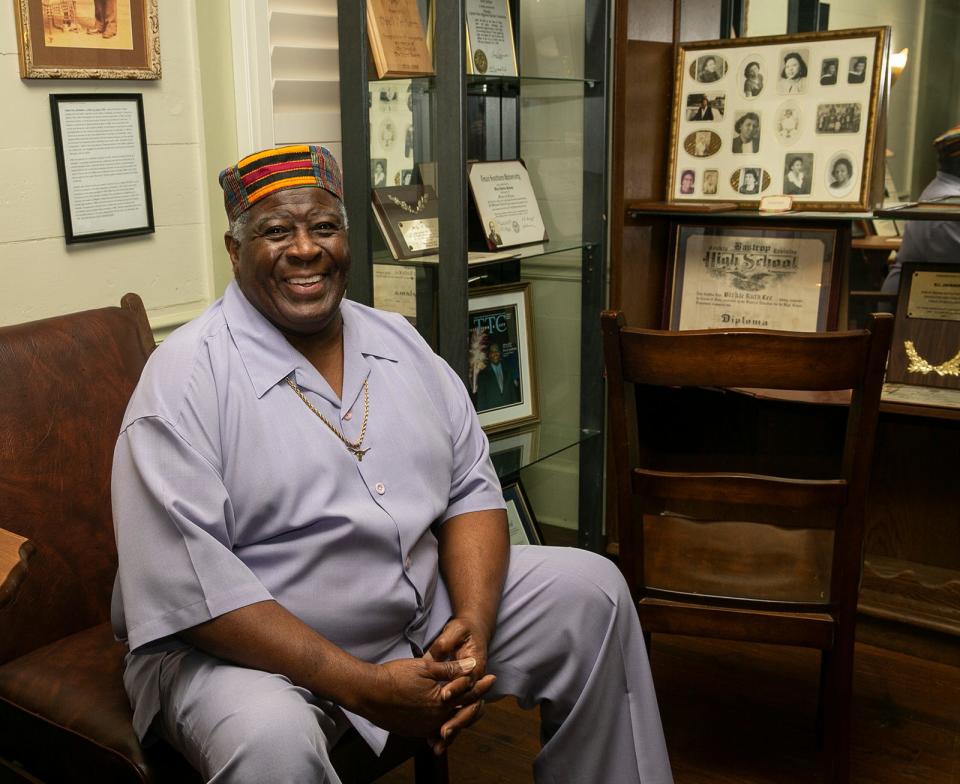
point(429, 768)
point(836, 699)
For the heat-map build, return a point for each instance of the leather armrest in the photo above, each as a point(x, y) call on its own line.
point(15, 551)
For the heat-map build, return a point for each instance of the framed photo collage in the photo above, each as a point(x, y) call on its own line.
point(785, 115)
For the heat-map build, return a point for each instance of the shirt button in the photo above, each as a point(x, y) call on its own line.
point(380, 488)
point(407, 563)
point(348, 416)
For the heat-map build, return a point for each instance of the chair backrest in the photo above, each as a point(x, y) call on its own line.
point(65, 385)
point(758, 359)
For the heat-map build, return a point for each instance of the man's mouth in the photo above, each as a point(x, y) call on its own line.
point(305, 281)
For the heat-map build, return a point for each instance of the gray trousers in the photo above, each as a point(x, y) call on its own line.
point(568, 640)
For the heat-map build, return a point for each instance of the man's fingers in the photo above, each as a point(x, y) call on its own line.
point(450, 670)
point(462, 719)
point(480, 688)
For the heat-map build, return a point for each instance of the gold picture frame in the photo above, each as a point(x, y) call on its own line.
point(798, 115)
point(88, 39)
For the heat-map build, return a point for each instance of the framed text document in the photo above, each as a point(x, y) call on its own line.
point(490, 50)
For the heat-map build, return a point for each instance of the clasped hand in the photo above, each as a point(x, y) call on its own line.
point(437, 696)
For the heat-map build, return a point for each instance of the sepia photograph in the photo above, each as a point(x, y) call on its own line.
point(828, 71)
point(793, 72)
point(858, 70)
point(753, 78)
point(702, 144)
point(838, 118)
point(709, 68)
point(840, 173)
point(798, 174)
point(710, 179)
point(704, 107)
point(787, 124)
point(746, 129)
point(88, 39)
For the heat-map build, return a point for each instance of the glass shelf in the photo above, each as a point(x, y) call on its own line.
point(754, 215)
point(514, 451)
point(474, 80)
point(481, 259)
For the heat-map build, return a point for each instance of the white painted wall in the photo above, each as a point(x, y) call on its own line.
point(170, 269)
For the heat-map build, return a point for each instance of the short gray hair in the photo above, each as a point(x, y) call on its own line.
point(238, 226)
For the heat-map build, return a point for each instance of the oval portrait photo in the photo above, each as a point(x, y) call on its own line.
point(787, 123)
point(793, 71)
point(840, 174)
point(750, 181)
point(702, 144)
point(708, 68)
point(751, 76)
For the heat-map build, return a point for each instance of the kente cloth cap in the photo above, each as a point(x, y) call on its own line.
point(295, 166)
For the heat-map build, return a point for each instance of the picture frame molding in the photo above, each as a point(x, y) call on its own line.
point(32, 66)
point(872, 163)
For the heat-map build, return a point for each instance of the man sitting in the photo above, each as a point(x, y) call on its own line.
point(311, 534)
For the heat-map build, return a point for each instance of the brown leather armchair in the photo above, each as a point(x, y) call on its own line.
point(63, 710)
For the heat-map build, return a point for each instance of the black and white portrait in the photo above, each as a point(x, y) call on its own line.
point(838, 118)
point(705, 107)
point(798, 174)
point(746, 130)
point(828, 71)
point(793, 72)
point(787, 124)
point(708, 68)
point(840, 174)
point(711, 177)
point(858, 70)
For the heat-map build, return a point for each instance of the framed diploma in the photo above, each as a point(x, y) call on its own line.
point(501, 357)
point(511, 451)
point(408, 218)
point(794, 115)
point(506, 204)
point(522, 524)
point(926, 333)
point(101, 149)
point(750, 276)
point(490, 50)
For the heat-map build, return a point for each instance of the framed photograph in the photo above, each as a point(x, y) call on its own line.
point(88, 39)
point(511, 451)
point(795, 115)
point(926, 332)
point(102, 166)
point(753, 276)
point(524, 528)
point(501, 357)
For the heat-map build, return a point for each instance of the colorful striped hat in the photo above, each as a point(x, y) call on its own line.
point(948, 143)
point(269, 171)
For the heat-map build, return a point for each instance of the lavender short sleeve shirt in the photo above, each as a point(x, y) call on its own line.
point(228, 490)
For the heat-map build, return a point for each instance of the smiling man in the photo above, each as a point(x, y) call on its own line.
point(312, 536)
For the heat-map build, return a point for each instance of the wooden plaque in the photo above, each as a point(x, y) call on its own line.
point(397, 40)
point(926, 333)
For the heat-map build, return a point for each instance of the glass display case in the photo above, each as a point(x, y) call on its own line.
point(428, 130)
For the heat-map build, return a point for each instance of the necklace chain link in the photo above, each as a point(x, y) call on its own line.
point(352, 446)
point(412, 209)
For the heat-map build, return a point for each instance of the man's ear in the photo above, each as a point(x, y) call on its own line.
point(233, 249)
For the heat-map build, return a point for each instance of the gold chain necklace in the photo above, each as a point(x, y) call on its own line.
point(412, 209)
point(352, 446)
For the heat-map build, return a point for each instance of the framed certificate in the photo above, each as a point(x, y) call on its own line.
point(926, 334)
point(104, 174)
point(506, 204)
point(750, 276)
point(501, 357)
point(512, 450)
point(794, 115)
point(490, 50)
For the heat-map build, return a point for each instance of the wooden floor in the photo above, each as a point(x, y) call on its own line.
point(735, 712)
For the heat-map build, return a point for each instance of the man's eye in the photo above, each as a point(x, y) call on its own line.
point(326, 227)
point(275, 231)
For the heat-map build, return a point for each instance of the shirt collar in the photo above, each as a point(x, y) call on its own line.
point(269, 358)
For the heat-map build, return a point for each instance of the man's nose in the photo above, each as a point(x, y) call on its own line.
point(304, 244)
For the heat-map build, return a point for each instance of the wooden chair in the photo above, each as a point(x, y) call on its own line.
point(738, 555)
point(63, 711)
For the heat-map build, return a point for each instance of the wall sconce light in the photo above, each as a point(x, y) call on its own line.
point(898, 61)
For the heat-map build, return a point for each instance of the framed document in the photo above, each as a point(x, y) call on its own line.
point(102, 165)
point(490, 50)
point(103, 39)
point(506, 204)
point(408, 218)
point(747, 276)
point(397, 40)
point(523, 526)
point(511, 451)
point(501, 357)
point(926, 334)
point(794, 115)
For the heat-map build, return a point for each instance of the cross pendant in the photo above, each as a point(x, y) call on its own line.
point(359, 453)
